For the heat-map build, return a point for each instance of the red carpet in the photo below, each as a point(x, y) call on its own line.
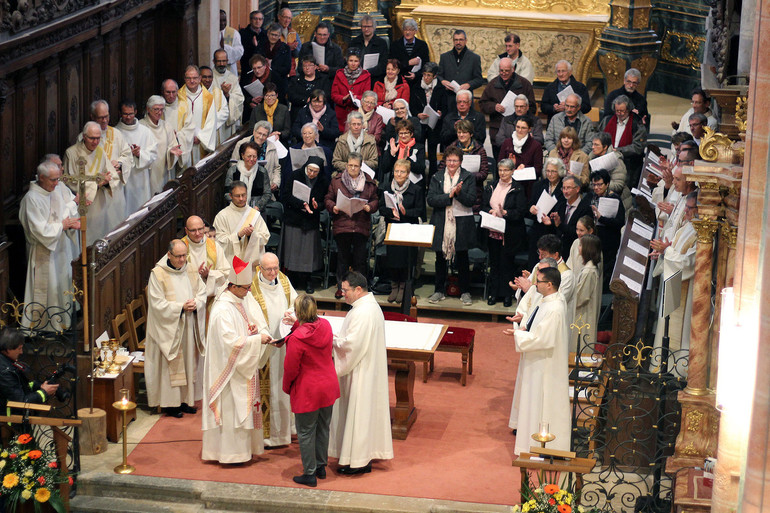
point(460, 447)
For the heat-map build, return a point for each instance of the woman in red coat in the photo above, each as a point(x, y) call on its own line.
point(392, 86)
point(311, 382)
point(350, 79)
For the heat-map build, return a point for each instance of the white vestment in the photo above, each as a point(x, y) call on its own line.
point(229, 221)
point(233, 47)
point(210, 252)
point(588, 303)
point(174, 336)
point(575, 262)
point(234, 102)
point(232, 415)
point(203, 112)
point(50, 252)
point(108, 203)
point(274, 296)
point(360, 425)
point(179, 119)
point(542, 388)
point(222, 110)
point(138, 189)
point(162, 168)
point(566, 288)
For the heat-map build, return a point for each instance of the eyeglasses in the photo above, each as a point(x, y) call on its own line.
point(270, 269)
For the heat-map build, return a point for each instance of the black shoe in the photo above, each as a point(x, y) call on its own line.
point(173, 412)
point(350, 471)
point(306, 480)
point(186, 408)
point(320, 472)
point(492, 300)
point(514, 432)
point(309, 288)
point(507, 301)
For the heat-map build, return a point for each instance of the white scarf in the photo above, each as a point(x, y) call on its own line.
point(390, 89)
point(247, 175)
point(450, 223)
point(518, 143)
point(428, 88)
point(354, 144)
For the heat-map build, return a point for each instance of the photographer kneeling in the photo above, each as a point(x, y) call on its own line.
point(14, 383)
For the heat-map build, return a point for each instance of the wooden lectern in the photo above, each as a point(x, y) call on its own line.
point(545, 464)
point(61, 439)
point(412, 235)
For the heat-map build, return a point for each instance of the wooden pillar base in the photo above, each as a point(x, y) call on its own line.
point(93, 432)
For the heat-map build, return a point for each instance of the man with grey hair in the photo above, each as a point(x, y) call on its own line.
point(115, 145)
point(508, 125)
point(521, 65)
point(48, 214)
point(144, 153)
point(107, 203)
point(196, 99)
point(631, 81)
point(461, 66)
point(179, 120)
point(551, 104)
point(570, 117)
point(371, 44)
point(629, 136)
point(410, 51)
point(168, 149)
point(697, 123)
point(463, 110)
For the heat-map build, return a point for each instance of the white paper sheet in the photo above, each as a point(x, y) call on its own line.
point(654, 170)
point(653, 157)
point(524, 174)
point(367, 170)
point(508, 103)
point(642, 229)
point(562, 96)
point(280, 149)
point(301, 191)
point(632, 284)
point(455, 85)
point(371, 60)
point(390, 200)
point(638, 192)
point(544, 205)
point(300, 155)
point(607, 161)
point(255, 89)
point(575, 167)
point(414, 178)
point(433, 117)
point(117, 231)
point(350, 206)
point(417, 66)
point(638, 248)
point(319, 53)
point(414, 233)
point(418, 336)
point(355, 100)
point(493, 223)
point(633, 265)
point(472, 163)
point(461, 210)
point(150, 203)
point(672, 293)
point(608, 207)
point(136, 215)
point(387, 114)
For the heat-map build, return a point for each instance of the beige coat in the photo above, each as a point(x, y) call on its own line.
point(342, 150)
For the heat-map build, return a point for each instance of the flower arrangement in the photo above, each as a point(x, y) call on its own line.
point(28, 473)
point(549, 498)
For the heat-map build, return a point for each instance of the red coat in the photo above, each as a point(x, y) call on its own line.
point(341, 94)
point(402, 91)
point(308, 369)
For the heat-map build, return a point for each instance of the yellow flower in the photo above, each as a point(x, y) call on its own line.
point(525, 508)
point(581, 509)
point(42, 495)
point(29, 472)
point(2, 464)
point(4, 454)
point(10, 480)
point(26, 494)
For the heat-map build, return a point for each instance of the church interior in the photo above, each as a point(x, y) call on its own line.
point(680, 430)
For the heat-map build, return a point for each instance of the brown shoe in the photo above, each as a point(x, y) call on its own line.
point(400, 295)
point(393, 291)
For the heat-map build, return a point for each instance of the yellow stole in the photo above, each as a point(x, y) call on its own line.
point(208, 98)
point(257, 292)
point(229, 36)
point(211, 251)
point(109, 137)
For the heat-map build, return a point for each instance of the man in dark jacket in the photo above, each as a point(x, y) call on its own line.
point(551, 104)
point(631, 81)
point(371, 44)
point(459, 65)
point(463, 110)
point(410, 51)
point(332, 52)
point(14, 383)
point(251, 36)
point(629, 136)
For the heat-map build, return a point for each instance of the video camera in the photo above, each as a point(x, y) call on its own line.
point(62, 394)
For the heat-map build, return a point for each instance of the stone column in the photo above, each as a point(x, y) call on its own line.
point(746, 37)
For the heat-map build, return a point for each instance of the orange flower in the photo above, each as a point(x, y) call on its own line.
point(10, 480)
point(24, 438)
point(564, 508)
point(53, 464)
point(550, 489)
point(33, 455)
point(42, 495)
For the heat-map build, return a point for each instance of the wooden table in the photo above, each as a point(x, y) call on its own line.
point(404, 349)
point(577, 466)
point(107, 391)
point(412, 236)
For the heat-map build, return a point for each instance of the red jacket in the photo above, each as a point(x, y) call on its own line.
point(308, 369)
point(402, 91)
point(341, 94)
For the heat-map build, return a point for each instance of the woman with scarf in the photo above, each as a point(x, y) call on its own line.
point(504, 198)
point(452, 192)
point(568, 150)
point(301, 244)
point(469, 146)
point(405, 147)
point(401, 111)
point(392, 86)
point(602, 145)
point(266, 154)
point(350, 80)
point(428, 94)
point(373, 122)
point(273, 112)
point(550, 183)
point(253, 175)
point(302, 86)
point(309, 140)
point(523, 149)
point(410, 208)
point(355, 140)
point(319, 113)
point(351, 232)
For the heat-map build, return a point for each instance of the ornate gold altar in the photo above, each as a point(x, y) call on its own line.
point(550, 30)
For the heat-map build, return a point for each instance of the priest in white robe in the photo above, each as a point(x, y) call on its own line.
point(115, 145)
point(168, 149)
point(275, 295)
point(360, 426)
point(531, 298)
point(227, 81)
point(180, 121)
point(542, 389)
point(240, 228)
point(107, 204)
point(199, 102)
point(221, 105)
point(230, 42)
point(176, 298)
point(232, 413)
point(48, 213)
point(144, 153)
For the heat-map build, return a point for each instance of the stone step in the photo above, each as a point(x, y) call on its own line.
point(90, 504)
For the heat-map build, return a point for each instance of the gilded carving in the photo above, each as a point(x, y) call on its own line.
point(619, 16)
point(689, 450)
point(741, 105)
point(613, 68)
point(367, 6)
point(590, 61)
point(693, 420)
point(552, 6)
point(706, 229)
point(347, 6)
point(692, 45)
point(642, 18)
point(716, 147)
point(306, 21)
point(646, 65)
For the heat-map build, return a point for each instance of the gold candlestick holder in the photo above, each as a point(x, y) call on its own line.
point(544, 435)
point(124, 405)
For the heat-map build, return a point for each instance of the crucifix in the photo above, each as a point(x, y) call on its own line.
point(80, 179)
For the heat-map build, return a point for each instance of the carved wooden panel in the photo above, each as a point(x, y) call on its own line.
point(107, 298)
point(129, 274)
point(113, 63)
point(96, 76)
point(71, 97)
point(51, 121)
point(129, 67)
point(8, 147)
point(146, 79)
point(28, 129)
point(5, 270)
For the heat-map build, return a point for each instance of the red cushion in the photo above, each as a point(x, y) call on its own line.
point(398, 316)
point(455, 336)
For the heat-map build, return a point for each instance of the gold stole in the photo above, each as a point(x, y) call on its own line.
point(264, 372)
point(108, 141)
point(211, 251)
point(229, 36)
